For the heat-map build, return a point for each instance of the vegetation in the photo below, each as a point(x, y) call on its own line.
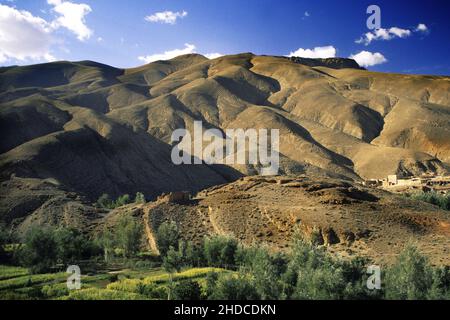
point(226, 270)
point(167, 236)
point(412, 278)
point(105, 201)
point(129, 236)
point(441, 200)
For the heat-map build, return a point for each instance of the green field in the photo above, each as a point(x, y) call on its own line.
point(127, 284)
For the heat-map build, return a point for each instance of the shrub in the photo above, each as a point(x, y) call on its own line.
point(3, 242)
point(40, 251)
point(73, 246)
point(102, 294)
point(233, 287)
point(129, 236)
point(443, 201)
point(412, 278)
point(193, 255)
point(104, 201)
point(173, 261)
point(314, 274)
point(55, 291)
point(139, 198)
point(220, 251)
point(167, 236)
point(186, 290)
point(122, 200)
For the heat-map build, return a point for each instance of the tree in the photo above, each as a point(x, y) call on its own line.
point(230, 287)
point(167, 235)
point(106, 241)
point(193, 255)
point(122, 200)
point(139, 198)
point(3, 241)
point(104, 201)
point(40, 250)
point(129, 236)
point(219, 251)
point(186, 290)
point(72, 245)
point(172, 262)
point(411, 277)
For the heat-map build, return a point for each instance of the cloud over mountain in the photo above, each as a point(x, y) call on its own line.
point(168, 17)
point(317, 52)
point(368, 59)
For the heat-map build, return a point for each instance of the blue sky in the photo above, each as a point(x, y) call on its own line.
point(131, 33)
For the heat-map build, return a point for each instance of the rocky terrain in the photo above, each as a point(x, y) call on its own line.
point(72, 131)
point(348, 219)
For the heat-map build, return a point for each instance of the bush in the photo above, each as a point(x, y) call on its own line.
point(233, 287)
point(55, 291)
point(173, 261)
point(265, 275)
point(73, 246)
point(139, 198)
point(122, 200)
point(40, 251)
point(129, 236)
point(220, 251)
point(314, 274)
point(3, 242)
point(104, 201)
point(102, 294)
point(193, 255)
point(167, 236)
point(186, 290)
point(412, 278)
point(443, 201)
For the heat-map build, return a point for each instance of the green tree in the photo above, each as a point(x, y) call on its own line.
point(186, 290)
point(122, 200)
point(3, 241)
point(129, 235)
point(72, 245)
point(167, 235)
point(230, 287)
point(104, 201)
point(139, 198)
point(40, 250)
point(172, 262)
point(107, 243)
point(410, 278)
point(220, 251)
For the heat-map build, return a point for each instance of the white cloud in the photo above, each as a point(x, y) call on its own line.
point(170, 54)
point(168, 17)
point(389, 34)
point(421, 27)
point(368, 59)
point(72, 17)
point(23, 36)
point(317, 52)
point(188, 48)
point(213, 55)
point(306, 14)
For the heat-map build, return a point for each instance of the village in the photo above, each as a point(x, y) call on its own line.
point(402, 183)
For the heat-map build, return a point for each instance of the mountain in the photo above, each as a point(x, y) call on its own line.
point(94, 129)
